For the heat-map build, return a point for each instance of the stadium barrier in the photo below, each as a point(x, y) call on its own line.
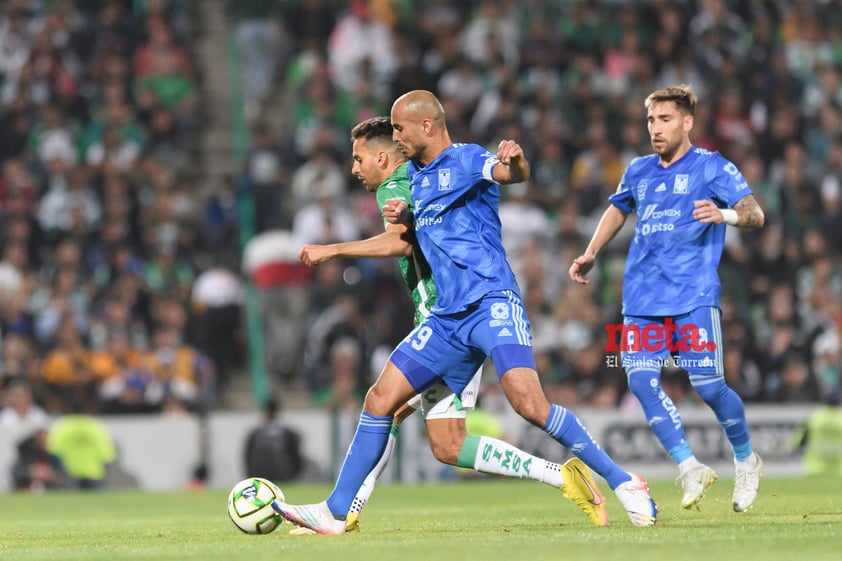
point(161, 453)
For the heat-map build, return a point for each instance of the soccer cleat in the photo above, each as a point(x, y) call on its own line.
point(352, 524)
point(634, 496)
point(316, 517)
point(580, 487)
point(747, 483)
point(695, 482)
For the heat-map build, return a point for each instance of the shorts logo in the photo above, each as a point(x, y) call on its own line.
point(499, 311)
point(444, 179)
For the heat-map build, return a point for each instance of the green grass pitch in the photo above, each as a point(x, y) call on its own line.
point(485, 520)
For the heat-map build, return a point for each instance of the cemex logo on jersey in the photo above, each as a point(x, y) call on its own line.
point(654, 337)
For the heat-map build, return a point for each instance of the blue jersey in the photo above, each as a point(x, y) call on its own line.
point(672, 263)
point(458, 228)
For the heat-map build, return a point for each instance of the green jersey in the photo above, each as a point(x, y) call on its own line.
point(414, 269)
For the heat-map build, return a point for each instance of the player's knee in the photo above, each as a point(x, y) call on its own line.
point(711, 392)
point(446, 437)
point(644, 384)
point(376, 401)
point(445, 452)
point(535, 411)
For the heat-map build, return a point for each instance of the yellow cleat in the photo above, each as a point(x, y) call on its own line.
point(580, 487)
point(352, 522)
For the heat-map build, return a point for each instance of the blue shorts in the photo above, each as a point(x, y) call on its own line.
point(450, 348)
point(693, 340)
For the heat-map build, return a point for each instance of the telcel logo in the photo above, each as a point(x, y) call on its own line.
point(654, 337)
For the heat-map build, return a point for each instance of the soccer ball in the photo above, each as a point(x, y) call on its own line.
point(250, 505)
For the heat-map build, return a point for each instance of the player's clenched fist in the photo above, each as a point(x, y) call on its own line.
point(312, 254)
point(396, 211)
point(508, 150)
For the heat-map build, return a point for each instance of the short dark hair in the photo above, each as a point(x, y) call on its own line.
point(683, 96)
point(375, 128)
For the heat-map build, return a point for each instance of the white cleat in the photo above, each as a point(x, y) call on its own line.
point(695, 482)
point(316, 517)
point(747, 482)
point(634, 496)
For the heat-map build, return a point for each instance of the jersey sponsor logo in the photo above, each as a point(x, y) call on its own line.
point(641, 189)
point(651, 213)
point(424, 221)
point(444, 179)
point(681, 185)
point(661, 188)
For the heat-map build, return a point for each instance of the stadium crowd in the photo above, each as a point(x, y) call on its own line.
point(103, 238)
point(101, 231)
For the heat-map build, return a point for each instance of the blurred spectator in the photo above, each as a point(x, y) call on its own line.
point(327, 219)
point(85, 448)
point(821, 439)
point(183, 379)
point(217, 299)
point(65, 376)
point(360, 48)
point(264, 177)
point(20, 410)
point(342, 390)
point(273, 450)
point(35, 469)
point(261, 40)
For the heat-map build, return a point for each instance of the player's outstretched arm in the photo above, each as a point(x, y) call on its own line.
point(745, 214)
point(396, 241)
point(515, 168)
point(612, 220)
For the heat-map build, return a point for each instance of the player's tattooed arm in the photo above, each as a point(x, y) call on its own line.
point(749, 213)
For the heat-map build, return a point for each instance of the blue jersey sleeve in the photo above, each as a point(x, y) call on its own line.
point(623, 198)
point(726, 185)
point(478, 162)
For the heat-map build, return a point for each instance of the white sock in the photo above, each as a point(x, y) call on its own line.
point(688, 464)
point(501, 458)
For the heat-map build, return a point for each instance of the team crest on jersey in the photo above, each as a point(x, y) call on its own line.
point(444, 179)
point(641, 189)
point(680, 187)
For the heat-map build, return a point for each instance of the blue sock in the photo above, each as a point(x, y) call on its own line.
point(729, 411)
point(565, 427)
point(363, 453)
point(661, 413)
